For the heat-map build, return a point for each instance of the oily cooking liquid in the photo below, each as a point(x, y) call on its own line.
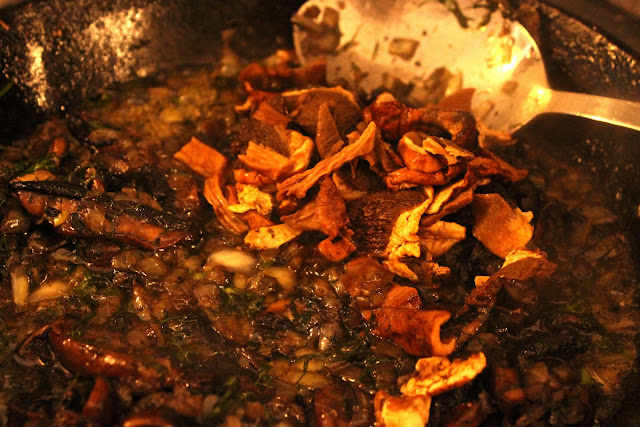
point(206, 344)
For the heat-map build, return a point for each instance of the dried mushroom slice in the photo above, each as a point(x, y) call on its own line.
point(404, 178)
point(298, 185)
point(489, 164)
point(274, 165)
point(417, 270)
point(402, 297)
point(327, 213)
point(339, 248)
point(437, 375)
point(499, 227)
point(396, 119)
point(404, 240)
point(251, 198)
point(446, 149)
point(268, 115)
point(328, 138)
point(210, 163)
point(439, 238)
point(267, 161)
point(401, 411)
point(415, 157)
point(417, 331)
point(71, 213)
point(201, 158)
point(331, 210)
point(270, 237)
point(430, 154)
point(304, 104)
point(374, 216)
point(300, 148)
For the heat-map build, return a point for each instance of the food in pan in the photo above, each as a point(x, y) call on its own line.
point(251, 247)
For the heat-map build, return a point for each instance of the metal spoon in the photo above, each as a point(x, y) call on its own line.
point(419, 47)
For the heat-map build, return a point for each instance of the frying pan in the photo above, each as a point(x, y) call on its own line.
point(65, 51)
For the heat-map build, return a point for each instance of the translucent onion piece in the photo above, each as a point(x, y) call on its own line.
point(233, 260)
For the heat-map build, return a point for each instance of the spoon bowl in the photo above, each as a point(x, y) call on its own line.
point(425, 50)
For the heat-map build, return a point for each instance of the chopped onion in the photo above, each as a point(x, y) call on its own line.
point(153, 267)
point(16, 221)
point(233, 260)
point(208, 403)
point(20, 288)
point(299, 374)
point(240, 281)
point(285, 277)
point(205, 291)
point(97, 222)
point(126, 259)
point(49, 290)
point(192, 263)
point(311, 380)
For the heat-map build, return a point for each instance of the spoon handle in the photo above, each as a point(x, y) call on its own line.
point(609, 110)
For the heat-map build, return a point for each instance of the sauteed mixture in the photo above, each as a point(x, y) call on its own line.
point(253, 248)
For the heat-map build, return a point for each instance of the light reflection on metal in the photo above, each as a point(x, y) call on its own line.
point(37, 72)
point(540, 96)
point(117, 34)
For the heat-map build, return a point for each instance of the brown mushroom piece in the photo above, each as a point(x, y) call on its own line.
point(261, 128)
point(488, 164)
point(270, 237)
point(499, 227)
point(417, 331)
point(374, 216)
point(404, 240)
point(298, 185)
point(402, 297)
point(337, 249)
point(430, 154)
point(520, 265)
point(450, 199)
point(437, 375)
point(405, 178)
point(327, 213)
point(266, 161)
point(415, 157)
point(304, 105)
point(284, 73)
point(274, 165)
point(401, 411)
point(364, 275)
point(71, 212)
point(328, 139)
point(89, 360)
point(396, 119)
point(211, 164)
point(439, 238)
point(99, 407)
